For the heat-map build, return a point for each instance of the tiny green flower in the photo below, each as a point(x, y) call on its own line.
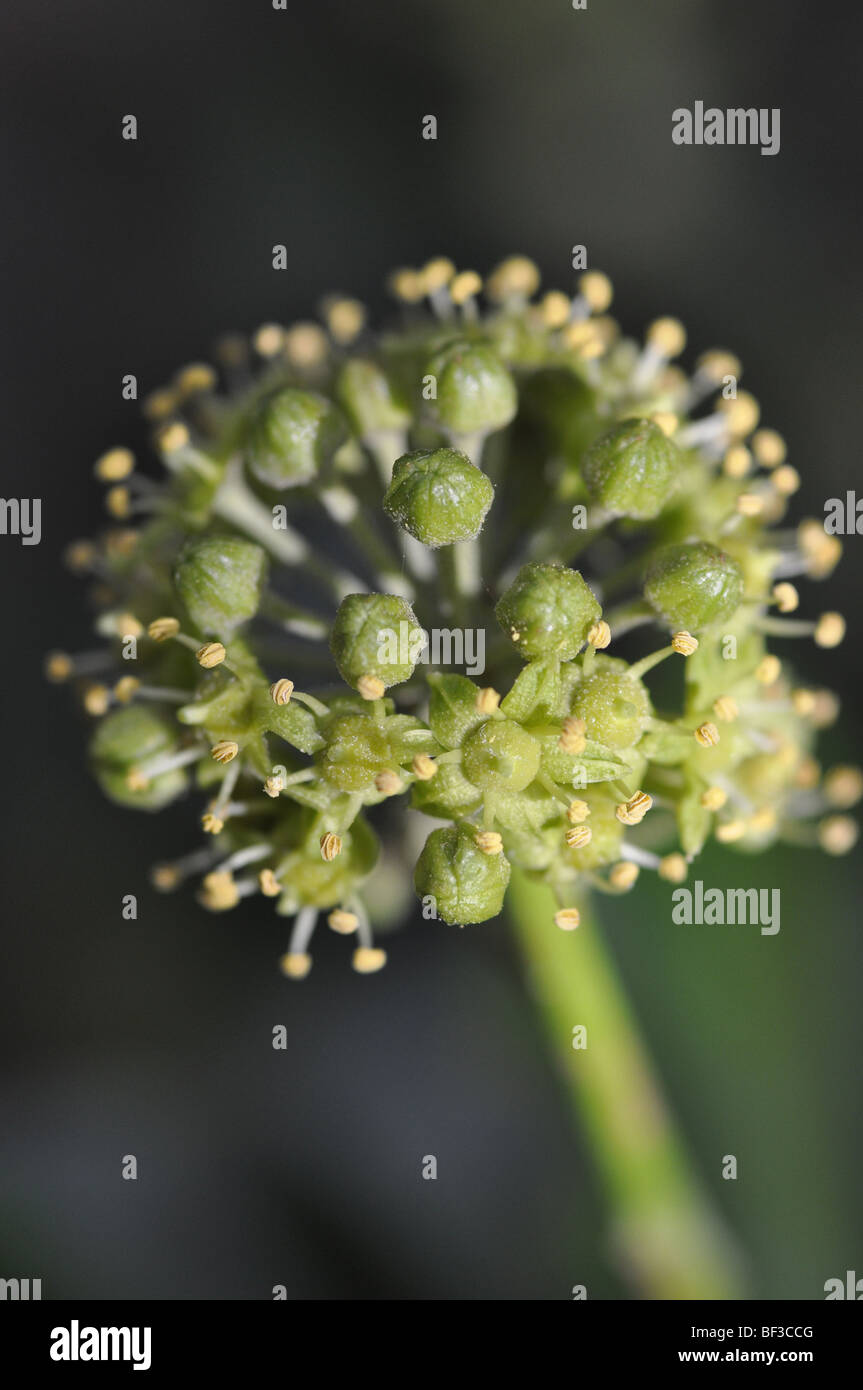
point(293, 434)
point(219, 581)
point(548, 610)
point(632, 469)
point(474, 390)
point(467, 885)
point(375, 636)
point(438, 496)
point(694, 586)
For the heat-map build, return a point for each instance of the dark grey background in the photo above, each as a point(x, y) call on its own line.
point(255, 127)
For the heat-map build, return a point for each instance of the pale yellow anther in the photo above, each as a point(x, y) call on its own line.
point(114, 466)
point(172, 438)
point(269, 340)
point(786, 480)
point(161, 629)
point(346, 319)
point(368, 959)
point(121, 542)
point(599, 635)
point(389, 783)
point(807, 773)
point(763, 821)
point(274, 785)
point(515, 278)
point(160, 404)
point(829, 630)
point(684, 643)
point(224, 751)
point(487, 700)
point(466, 285)
point(768, 670)
point(136, 780)
point(741, 413)
point(126, 689)
point(97, 699)
point(624, 875)
point(195, 379)
point(281, 691)
point(749, 504)
point(667, 336)
point(769, 448)
point(717, 364)
point(306, 345)
point(127, 625)
point(786, 597)
point(573, 737)
point(295, 964)
point(118, 502)
point(210, 655)
point(737, 462)
point(211, 824)
point(667, 421)
point(269, 884)
point(331, 846)
point(725, 708)
point(488, 841)
point(843, 786)
point(371, 687)
point(707, 735)
point(837, 834)
point(436, 274)
point(567, 918)
point(80, 556)
point(58, 667)
point(342, 921)
point(423, 766)
point(577, 812)
point(826, 710)
point(633, 811)
point(713, 798)
point(730, 831)
point(803, 702)
point(165, 877)
point(596, 290)
point(673, 868)
point(578, 836)
point(407, 285)
point(555, 309)
point(820, 551)
point(584, 337)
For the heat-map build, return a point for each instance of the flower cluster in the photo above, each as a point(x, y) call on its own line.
point(498, 459)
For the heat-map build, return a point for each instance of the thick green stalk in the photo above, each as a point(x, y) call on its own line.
point(668, 1241)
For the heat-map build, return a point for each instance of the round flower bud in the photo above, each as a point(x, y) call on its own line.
point(438, 496)
point(614, 705)
point(693, 586)
point(548, 610)
point(126, 738)
point(500, 754)
point(632, 468)
point(474, 389)
point(219, 581)
point(369, 398)
point(467, 885)
point(292, 434)
point(375, 635)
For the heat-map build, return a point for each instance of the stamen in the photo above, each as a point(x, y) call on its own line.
point(578, 836)
point(488, 841)
point(567, 918)
point(115, 466)
point(269, 884)
point(424, 767)
point(331, 846)
point(487, 700)
point(343, 922)
point(633, 811)
point(707, 735)
point(624, 875)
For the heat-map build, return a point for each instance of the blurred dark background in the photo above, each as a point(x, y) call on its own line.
point(153, 1037)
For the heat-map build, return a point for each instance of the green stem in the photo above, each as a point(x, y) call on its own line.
point(669, 1242)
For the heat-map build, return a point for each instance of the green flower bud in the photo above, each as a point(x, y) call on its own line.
point(693, 586)
point(292, 435)
point(632, 468)
point(467, 885)
point(438, 496)
point(474, 389)
point(378, 636)
point(371, 401)
point(125, 739)
point(500, 754)
point(219, 581)
point(548, 610)
point(316, 882)
point(614, 705)
point(357, 748)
